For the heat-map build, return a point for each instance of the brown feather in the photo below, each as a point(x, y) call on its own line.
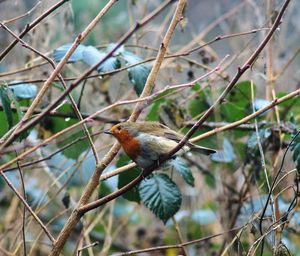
point(160, 130)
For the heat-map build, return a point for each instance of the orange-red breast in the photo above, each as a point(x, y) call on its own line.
point(146, 142)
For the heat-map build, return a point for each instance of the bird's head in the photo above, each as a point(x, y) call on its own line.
point(124, 131)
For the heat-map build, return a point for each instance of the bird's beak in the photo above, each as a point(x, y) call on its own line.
point(108, 132)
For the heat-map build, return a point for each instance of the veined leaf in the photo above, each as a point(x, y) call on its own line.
point(24, 91)
point(92, 55)
point(137, 75)
point(161, 195)
point(183, 170)
point(56, 124)
point(61, 51)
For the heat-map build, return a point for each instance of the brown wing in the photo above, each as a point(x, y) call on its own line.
point(178, 137)
point(154, 128)
point(161, 130)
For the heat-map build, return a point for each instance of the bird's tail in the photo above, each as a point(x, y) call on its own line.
point(201, 150)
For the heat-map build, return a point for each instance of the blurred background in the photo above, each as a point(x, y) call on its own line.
point(228, 190)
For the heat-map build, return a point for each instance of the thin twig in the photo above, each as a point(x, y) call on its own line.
point(184, 251)
point(30, 26)
point(167, 247)
point(109, 73)
point(47, 232)
point(22, 15)
point(144, 101)
point(86, 247)
point(74, 105)
point(24, 208)
point(21, 126)
point(94, 180)
point(56, 72)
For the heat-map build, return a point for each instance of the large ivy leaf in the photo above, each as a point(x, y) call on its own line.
point(183, 170)
point(6, 106)
point(92, 55)
point(226, 155)
point(137, 75)
point(24, 91)
point(126, 177)
point(161, 195)
point(61, 51)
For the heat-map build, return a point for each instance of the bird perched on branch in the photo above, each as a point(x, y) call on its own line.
point(146, 142)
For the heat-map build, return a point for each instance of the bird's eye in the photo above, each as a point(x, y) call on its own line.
point(119, 128)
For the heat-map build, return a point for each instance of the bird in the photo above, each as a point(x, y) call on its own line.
point(146, 142)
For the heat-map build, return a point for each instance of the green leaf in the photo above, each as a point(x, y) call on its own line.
point(118, 51)
point(231, 112)
point(126, 177)
point(161, 195)
point(61, 51)
point(6, 106)
point(3, 123)
point(183, 170)
point(210, 180)
point(199, 104)
point(137, 75)
point(88, 54)
point(92, 55)
point(290, 106)
point(24, 91)
point(153, 113)
point(238, 103)
point(241, 94)
point(56, 124)
point(17, 117)
point(16, 103)
point(296, 152)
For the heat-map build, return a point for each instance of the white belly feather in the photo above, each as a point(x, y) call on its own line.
point(153, 147)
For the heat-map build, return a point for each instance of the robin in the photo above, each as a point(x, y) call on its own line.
point(146, 142)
